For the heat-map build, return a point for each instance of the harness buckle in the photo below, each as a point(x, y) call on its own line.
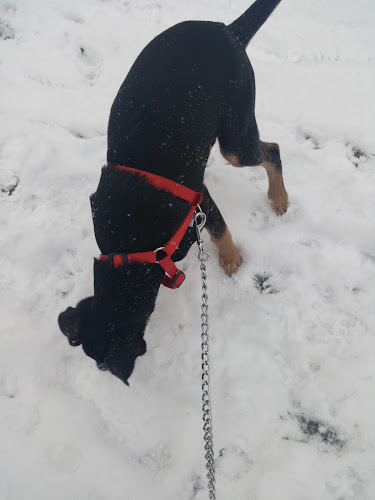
point(178, 279)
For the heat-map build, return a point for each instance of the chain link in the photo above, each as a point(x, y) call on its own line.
point(206, 393)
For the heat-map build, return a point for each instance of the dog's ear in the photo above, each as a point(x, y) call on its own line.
point(121, 357)
point(140, 348)
point(70, 323)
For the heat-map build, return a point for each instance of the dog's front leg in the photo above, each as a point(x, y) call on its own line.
point(229, 256)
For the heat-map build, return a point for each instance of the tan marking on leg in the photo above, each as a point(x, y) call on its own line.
point(232, 158)
point(229, 256)
point(277, 193)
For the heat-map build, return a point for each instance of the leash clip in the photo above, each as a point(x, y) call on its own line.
point(203, 255)
point(201, 214)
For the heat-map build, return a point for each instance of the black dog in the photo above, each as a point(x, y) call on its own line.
point(191, 85)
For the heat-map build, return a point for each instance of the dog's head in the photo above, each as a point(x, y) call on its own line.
point(113, 349)
point(111, 324)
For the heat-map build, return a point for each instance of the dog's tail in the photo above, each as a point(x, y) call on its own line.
point(245, 27)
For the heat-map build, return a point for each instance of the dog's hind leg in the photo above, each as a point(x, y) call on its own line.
point(229, 256)
point(269, 158)
point(253, 152)
point(277, 193)
point(238, 130)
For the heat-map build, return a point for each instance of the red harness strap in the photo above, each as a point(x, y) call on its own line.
point(173, 277)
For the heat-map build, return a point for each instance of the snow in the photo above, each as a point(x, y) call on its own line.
point(293, 345)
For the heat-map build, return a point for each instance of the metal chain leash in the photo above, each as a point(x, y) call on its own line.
point(200, 220)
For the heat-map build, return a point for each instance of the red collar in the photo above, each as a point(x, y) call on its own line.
point(173, 277)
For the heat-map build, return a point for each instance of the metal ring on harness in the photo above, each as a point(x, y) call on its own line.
point(157, 250)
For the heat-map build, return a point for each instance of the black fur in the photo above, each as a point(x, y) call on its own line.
point(190, 85)
point(247, 25)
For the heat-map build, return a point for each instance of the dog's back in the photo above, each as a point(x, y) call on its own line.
point(170, 103)
point(176, 93)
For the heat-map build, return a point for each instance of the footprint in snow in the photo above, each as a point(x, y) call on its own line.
point(261, 283)
point(91, 63)
point(314, 244)
point(233, 462)
point(6, 31)
point(310, 139)
point(197, 485)
point(10, 186)
point(158, 458)
point(9, 386)
point(259, 220)
point(315, 429)
point(357, 155)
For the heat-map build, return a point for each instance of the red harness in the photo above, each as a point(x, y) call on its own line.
point(173, 278)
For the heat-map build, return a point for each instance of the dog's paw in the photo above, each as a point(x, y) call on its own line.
point(229, 258)
point(279, 201)
point(230, 262)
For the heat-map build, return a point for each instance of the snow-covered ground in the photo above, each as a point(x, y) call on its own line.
point(293, 333)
